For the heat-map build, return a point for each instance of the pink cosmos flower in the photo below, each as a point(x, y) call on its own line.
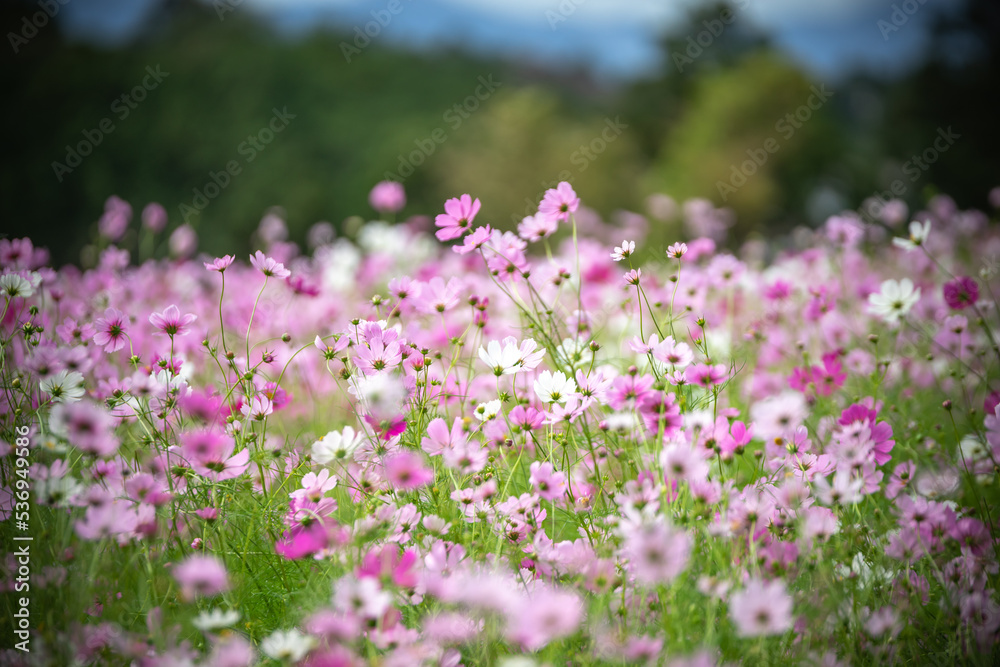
point(257, 408)
point(382, 352)
point(220, 264)
point(961, 292)
point(466, 457)
point(114, 222)
point(154, 217)
point(474, 241)
point(537, 227)
point(436, 296)
point(269, 266)
point(559, 202)
point(390, 566)
point(201, 575)
point(659, 410)
point(546, 615)
point(112, 330)
point(211, 455)
point(761, 609)
point(171, 322)
point(657, 552)
point(387, 197)
point(303, 539)
point(88, 427)
point(387, 427)
point(669, 351)
point(439, 437)
point(704, 375)
point(405, 471)
point(677, 250)
point(551, 485)
point(736, 440)
point(881, 431)
point(457, 218)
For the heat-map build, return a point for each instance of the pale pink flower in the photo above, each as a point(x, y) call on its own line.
point(677, 250)
point(201, 576)
point(559, 202)
point(220, 264)
point(537, 227)
point(546, 615)
point(171, 322)
point(269, 266)
point(762, 608)
point(387, 197)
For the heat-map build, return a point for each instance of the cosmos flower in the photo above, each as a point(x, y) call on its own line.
point(112, 330)
point(918, 236)
point(559, 202)
point(269, 266)
point(171, 323)
point(387, 197)
point(201, 575)
point(893, 300)
point(961, 293)
point(761, 608)
point(457, 218)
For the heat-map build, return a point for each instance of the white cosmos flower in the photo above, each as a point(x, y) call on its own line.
point(12, 286)
point(336, 445)
point(64, 386)
point(918, 235)
point(553, 387)
point(287, 645)
point(215, 619)
point(893, 300)
point(624, 250)
point(504, 358)
point(487, 411)
point(575, 351)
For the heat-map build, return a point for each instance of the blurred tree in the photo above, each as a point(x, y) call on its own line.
point(523, 142)
point(747, 138)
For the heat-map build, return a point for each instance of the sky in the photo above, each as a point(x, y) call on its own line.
point(614, 39)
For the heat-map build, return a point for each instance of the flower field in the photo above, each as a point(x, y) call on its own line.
point(436, 443)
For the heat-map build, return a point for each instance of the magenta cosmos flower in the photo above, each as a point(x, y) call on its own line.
point(387, 197)
point(457, 217)
point(112, 330)
point(171, 322)
point(559, 202)
point(961, 292)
